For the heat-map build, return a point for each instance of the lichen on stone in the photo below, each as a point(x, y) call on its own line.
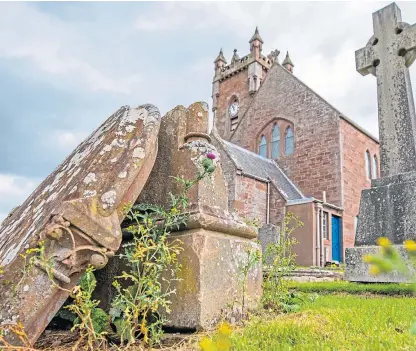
point(109, 198)
point(90, 178)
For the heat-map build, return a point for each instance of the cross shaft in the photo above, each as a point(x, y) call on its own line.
point(387, 55)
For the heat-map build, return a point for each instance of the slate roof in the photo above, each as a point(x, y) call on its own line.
point(255, 165)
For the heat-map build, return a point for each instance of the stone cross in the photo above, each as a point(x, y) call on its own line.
point(387, 55)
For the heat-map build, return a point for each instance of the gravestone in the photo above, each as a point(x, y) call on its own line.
point(269, 234)
point(388, 208)
point(76, 211)
point(214, 241)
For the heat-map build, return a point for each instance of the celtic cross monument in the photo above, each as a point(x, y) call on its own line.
point(388, 208)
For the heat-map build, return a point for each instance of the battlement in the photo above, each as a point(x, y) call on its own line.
point(242, 64)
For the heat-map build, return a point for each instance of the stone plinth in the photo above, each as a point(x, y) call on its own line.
point(388, 209)
point(210, 287)
point(215, 242)
point(358, 271)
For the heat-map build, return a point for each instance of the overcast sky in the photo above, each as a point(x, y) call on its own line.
point(65, 67)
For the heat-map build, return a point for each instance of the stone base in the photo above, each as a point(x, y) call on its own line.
point(358, 271)
point(210, 287)
point(388, 209)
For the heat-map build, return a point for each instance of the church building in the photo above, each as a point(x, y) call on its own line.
point(285, 149)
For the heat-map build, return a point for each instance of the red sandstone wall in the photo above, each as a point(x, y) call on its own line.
point(354, 145)
point(315, 165)
point(236, 85)
point(250, 198)
point(277, 206)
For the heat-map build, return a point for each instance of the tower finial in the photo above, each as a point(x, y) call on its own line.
point(287, 63)
point(220, 57)
point(235, 57)
point(256, 36)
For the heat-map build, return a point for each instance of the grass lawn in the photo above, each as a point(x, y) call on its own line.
point(339, 322)
point(352, 288)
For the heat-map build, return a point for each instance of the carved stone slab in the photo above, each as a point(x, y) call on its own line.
point(77, 212)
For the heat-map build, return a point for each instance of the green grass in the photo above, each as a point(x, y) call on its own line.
point(340, 322)
point(352, 288)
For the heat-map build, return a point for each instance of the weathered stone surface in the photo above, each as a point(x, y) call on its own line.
point(387, 55)
point(358, 271)
point(77, 212)
point(388, 208)
point(214, 240)
point(211, 279)
point(268, 235)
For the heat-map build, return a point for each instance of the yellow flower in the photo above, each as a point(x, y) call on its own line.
point(367, 258)
point(383, 242)
point(206, 344)
point(223, 343)
point(225, 329)
point(410, 245)
point(374, 270)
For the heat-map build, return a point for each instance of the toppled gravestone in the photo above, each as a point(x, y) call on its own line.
point(388, 208)
point(215, 242)
point(77, 213)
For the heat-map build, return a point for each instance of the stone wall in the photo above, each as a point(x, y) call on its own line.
point(354, 146)
point(251, 198)
point(277, 206)
point(315, 165)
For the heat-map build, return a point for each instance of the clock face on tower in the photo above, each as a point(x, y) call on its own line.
point(233, 109)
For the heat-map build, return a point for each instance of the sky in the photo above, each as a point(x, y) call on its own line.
point(66, 67)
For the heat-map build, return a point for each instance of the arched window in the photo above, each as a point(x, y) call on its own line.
point(275, 141)
point(375, 167)
point(368, 164)
point(289, 142)
point(263, 146)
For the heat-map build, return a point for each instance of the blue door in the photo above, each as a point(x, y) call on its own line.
point(336, 239)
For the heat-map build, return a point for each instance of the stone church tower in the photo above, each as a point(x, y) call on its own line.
point(234, 84)
point(309, 156)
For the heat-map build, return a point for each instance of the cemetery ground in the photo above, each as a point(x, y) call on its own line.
point(336, 315)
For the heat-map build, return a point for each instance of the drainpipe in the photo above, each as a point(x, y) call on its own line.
point(318, 242)
point(322, 237)
point(322, 232)
point(268, 204)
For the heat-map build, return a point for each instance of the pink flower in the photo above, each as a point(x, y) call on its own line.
point(211, 155)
